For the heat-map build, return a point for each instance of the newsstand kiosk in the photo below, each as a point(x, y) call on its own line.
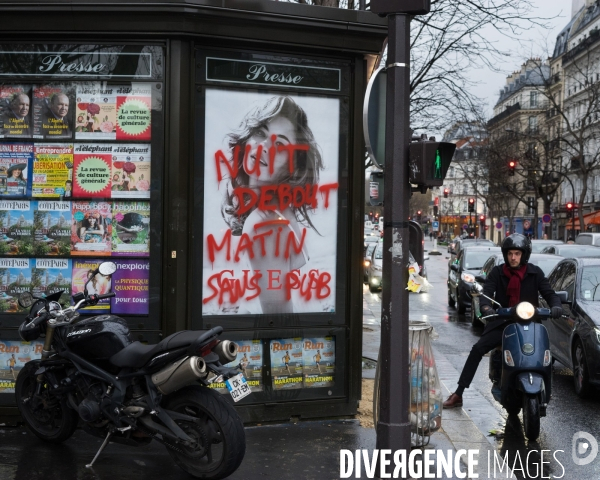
point(213, 150)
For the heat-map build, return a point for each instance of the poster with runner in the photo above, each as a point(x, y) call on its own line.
point(249, 362)
point(286, 363)
point(318, 356)
point(14, 354)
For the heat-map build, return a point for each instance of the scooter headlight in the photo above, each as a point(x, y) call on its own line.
point(525, 310)
point(467, 277)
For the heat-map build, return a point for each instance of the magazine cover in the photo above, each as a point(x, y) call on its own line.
point(101, 285)
point(318, 356)
point(91, 228)
point(131, 228)
point(53, 109)
point(52, 170)
point(14, 354)
point(130, 284)
point(15, 278)
point(131, 171)
point(249, 361)
point(96, 113)
point(15, 169)
point(286, 363)
point(15, 111)
point(16, 227)
point(51, 227)
point(51, 275)
point(134, 108)
point(92, 170)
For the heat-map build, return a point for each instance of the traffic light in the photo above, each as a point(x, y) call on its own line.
point(471, 205)
point(482, 218)
point(446, 192)
point(376, 189)
point(419, 216)
point(429, 162)
point(511, 168)
point(570, 206)
point(435, 210)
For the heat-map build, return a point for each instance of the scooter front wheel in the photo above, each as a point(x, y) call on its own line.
point(531, 417)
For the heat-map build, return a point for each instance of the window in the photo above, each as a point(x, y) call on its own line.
point(533, 99)
point(465, 189)
point(451, 172)
point(533, 125)
point(464, 206)
point(531, 205)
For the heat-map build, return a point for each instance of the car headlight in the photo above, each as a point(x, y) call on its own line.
point(525, 310)
point(467, 277)
point(367, 263)
point(597, 334)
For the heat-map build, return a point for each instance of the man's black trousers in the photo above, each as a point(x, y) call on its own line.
point(487, 342)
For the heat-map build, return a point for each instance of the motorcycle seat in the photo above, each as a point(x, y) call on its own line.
point(137, 354)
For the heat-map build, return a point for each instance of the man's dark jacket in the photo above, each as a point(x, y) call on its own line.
point(534, 281)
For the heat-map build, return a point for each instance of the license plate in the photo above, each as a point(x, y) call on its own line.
point(238, 387)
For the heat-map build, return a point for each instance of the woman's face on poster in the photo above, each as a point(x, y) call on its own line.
point(285, 134)
point(16, 173)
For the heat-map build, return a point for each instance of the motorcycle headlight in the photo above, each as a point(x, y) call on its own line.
point(467, 277)
point(525, 310)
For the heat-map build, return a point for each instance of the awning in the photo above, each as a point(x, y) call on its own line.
point(592, 218)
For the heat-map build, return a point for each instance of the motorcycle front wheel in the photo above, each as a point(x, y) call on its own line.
point(531, 417)
point(219, 437)
point(47, 416)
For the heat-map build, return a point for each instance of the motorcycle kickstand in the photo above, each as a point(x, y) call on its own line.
point(104, 443)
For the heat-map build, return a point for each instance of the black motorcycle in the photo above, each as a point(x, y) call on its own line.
point(128, 392)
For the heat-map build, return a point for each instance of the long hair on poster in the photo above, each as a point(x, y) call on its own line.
point(270, 203)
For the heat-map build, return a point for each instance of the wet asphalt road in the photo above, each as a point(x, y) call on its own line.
point(566, 414)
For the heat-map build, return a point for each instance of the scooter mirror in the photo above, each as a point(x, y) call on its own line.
point(480, 278)
point(564, 297)
point(26, 299)
point(107, 268)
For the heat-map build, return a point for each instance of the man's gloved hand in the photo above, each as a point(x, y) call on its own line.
point(486, 310)
point(557, 312)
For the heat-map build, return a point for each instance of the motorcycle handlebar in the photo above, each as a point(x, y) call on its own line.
point(106, 295)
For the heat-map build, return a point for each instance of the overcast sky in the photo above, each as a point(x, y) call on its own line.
point(534, 42)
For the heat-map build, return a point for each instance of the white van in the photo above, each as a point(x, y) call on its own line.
point(588, 239)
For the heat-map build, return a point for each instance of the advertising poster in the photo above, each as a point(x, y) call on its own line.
point(249, 361)
point(15, 111)
point(96, 113)
point(14, 354)
point(16, 227)
point(51, 275)
point(131, 228)
point(15, 278)
point(286, 363)
point(52, 170)
point(318, 356)
point(101, 285)
point(51, 227)
point(53, 111)
point(15, 168)
point(92, 170)
point(131, 171)
point(134, 108)
point(130, 284)
point(270, 203)
point(91, 228)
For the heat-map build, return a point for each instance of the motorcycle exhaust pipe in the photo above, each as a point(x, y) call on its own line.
point(179, 374)
point(226, 350)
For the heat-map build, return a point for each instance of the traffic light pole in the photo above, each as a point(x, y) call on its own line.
point(393, 428)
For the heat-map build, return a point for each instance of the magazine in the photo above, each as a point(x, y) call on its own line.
point(100, 285)
point(15, 169)
point(318, 357)
point(131, 228)
point(96, 114)
point(92, 170)
point(16, 227)
point(131, 171)
point(14, 354)
point(52, 170)
point(15, 111)
point(51, 227)
point(15, 278)
point(249, 362)
point(130, 284)
point(91, 228)
point(286, 363)
point(53, 108)
point(134, 107)
point(51, 275)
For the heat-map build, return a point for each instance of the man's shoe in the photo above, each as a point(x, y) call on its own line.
point(453, 401)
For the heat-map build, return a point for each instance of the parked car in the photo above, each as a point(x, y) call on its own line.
point(371, 239)
point(575, 338)
point(588, 239)
point(463, 242)
point(367, 260)
point(572, 250)
point(538, 245)
point(462, 274)
point(544, 261)
point(375, 268)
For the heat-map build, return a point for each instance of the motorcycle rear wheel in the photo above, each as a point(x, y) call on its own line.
point(47, 416)
point(220, 437)
point(531, 417)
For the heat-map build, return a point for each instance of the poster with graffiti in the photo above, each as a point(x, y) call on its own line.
point(14, 354)
point(286, 363)
point(249, 362)
point(15, 278)
point(318, 357)
point(270, 203)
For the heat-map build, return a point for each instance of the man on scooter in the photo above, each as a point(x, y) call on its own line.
point(509, 284)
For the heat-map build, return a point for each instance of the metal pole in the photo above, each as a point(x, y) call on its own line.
point(393, 428)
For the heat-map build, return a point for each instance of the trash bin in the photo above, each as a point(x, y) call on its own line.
point(424, 382)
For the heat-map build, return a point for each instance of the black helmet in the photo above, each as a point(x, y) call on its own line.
point(516, 241)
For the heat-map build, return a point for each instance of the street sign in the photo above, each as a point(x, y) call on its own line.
point(546, 218)
point(526, 224)
point(499, 225)
point(374, 109)
point(435, 226)
point(465, 226)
